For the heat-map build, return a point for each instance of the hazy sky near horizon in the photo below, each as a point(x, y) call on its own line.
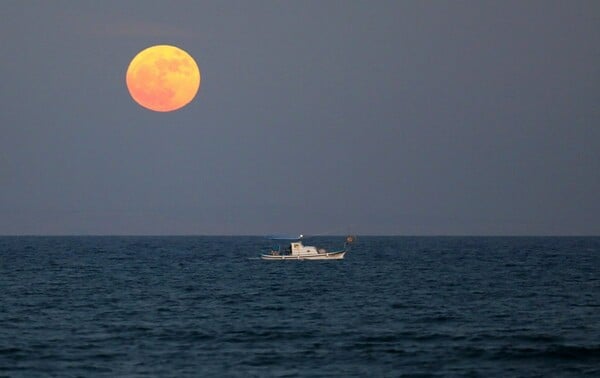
point(383, 117)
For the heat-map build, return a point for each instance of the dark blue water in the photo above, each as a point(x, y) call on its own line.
point(203, 306)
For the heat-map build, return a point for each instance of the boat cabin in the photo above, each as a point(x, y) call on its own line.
point(298, 248)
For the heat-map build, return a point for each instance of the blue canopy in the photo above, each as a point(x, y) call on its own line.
point(285, 237)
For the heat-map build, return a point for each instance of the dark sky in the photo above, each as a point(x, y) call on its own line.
point(322, 117)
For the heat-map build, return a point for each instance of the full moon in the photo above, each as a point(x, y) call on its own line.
point(163, 78)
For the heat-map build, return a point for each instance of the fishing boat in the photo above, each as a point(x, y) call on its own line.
point(299, 251)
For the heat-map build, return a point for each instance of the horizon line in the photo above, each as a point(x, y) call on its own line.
point(309, 236)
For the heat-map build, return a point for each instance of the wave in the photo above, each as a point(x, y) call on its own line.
point(565, 352)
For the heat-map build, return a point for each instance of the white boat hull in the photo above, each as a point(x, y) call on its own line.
point(319, 256)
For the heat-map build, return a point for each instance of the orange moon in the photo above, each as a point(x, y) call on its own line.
point(163, 78)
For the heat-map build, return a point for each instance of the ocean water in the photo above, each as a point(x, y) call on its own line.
point(206, 306)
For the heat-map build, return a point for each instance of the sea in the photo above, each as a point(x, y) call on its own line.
point(209, 307)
